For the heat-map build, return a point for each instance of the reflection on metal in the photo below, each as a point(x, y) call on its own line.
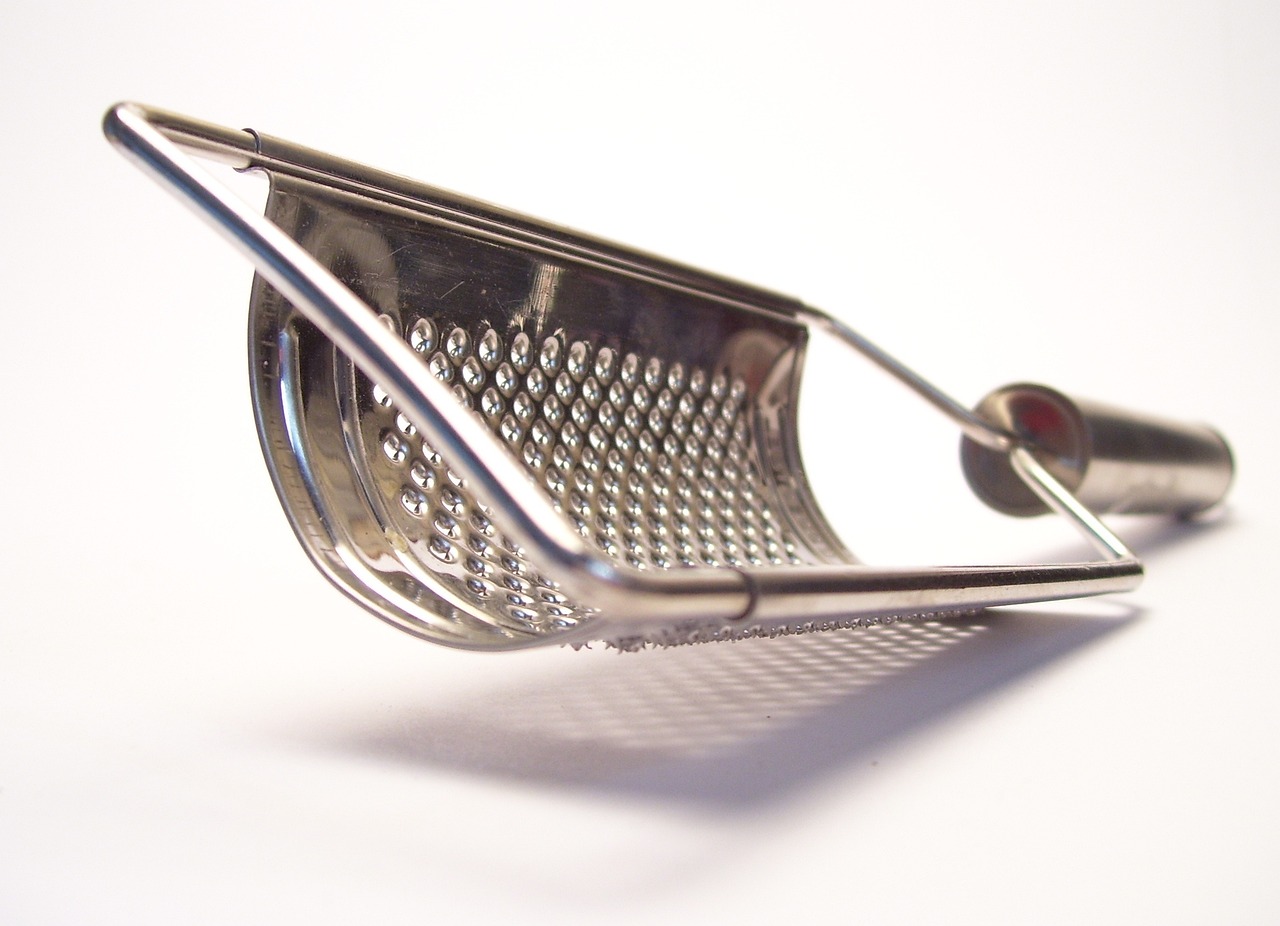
point(494, 433)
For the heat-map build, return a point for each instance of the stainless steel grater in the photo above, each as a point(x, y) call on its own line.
point(494, 433)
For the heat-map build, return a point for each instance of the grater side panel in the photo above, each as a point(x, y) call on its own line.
point(659, 419)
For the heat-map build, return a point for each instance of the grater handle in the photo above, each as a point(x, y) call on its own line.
point(1111, 459)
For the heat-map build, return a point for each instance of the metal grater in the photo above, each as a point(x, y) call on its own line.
point(494, 433)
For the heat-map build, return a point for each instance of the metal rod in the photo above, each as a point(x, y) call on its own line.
point(974, 427)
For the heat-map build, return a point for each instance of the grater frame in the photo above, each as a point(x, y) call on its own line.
point(625, 605)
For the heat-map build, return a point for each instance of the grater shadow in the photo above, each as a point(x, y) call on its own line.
point(727, 727)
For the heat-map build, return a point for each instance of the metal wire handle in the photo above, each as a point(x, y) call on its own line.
point(156, 140)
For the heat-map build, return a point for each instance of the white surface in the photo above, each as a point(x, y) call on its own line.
point(195, 729)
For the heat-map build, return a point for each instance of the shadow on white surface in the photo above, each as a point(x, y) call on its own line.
point(724, 726)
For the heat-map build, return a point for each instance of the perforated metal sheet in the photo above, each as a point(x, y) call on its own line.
point(658, 420)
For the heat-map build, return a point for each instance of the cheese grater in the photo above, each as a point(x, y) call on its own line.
point(495, 433)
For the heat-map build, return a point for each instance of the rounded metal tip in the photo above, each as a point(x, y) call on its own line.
point(1112, 460)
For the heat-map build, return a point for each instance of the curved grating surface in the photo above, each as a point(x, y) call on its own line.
point(650, 462)
point(656, 410)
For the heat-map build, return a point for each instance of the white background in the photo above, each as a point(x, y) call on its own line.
point(194, 728)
